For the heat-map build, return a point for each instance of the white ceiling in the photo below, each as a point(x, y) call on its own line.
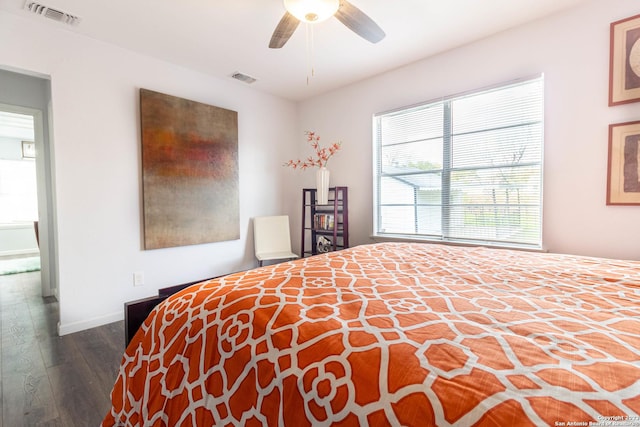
point(220, 37)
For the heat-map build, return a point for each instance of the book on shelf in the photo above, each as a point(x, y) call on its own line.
point(323, 221)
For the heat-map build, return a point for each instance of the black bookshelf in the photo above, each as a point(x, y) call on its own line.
point(324, 227)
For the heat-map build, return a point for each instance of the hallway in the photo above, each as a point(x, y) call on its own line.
point(47, 380)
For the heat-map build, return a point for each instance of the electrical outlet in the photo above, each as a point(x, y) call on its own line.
point(138, 278)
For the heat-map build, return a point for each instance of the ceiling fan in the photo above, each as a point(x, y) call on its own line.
point(314, 11)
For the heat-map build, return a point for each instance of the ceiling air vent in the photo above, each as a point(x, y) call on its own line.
point(51, 13)
point(243, 77)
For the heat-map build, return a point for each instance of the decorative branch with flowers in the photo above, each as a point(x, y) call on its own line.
point(323, 154)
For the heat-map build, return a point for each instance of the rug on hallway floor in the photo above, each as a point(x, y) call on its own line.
point(19, 265)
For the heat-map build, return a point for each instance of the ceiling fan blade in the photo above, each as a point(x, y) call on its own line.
point(358, 22)
point(284, 31)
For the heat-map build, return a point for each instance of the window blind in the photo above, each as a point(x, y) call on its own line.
point(466, 168)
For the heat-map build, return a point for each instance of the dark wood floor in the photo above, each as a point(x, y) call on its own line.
point(47, 380)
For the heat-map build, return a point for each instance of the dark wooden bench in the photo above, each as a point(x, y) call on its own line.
point(135, 312)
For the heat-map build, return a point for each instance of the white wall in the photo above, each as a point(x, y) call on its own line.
point(572, 50)
point(18, 239)
point(96, 148)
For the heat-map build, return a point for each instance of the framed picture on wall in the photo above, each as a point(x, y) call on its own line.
point(623, 181)
point(624, 61)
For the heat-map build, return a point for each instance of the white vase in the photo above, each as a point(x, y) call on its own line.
point(322, 185)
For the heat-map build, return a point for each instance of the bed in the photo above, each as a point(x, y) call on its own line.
point(393, 334)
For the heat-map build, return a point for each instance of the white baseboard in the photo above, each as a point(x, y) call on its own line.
point(20, 252)
point(70, 328)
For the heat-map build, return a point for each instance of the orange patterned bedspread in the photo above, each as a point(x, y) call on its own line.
point(393, 334)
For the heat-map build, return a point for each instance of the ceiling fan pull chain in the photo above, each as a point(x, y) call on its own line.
point(306, 49)
point(313, 51)
point(310, 52)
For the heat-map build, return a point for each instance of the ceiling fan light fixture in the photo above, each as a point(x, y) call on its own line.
point(312, 11)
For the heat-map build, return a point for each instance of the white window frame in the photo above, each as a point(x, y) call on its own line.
point(442, 236)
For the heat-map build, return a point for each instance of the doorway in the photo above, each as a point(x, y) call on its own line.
point(18, 194)
point(25, 161)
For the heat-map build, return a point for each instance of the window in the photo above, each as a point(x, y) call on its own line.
point(18, 188)
point(18, 191)
point(463, 169)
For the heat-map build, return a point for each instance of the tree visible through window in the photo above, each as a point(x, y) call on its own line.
point(466, 168)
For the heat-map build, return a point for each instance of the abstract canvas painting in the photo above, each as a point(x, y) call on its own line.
point(189, 171)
